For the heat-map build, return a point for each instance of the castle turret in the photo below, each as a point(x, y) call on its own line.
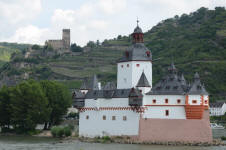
point(136, 59)
point(196, 99)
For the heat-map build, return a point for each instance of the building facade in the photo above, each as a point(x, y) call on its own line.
point(171, 110)
point(218, 108)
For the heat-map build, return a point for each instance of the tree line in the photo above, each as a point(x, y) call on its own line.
point(30, 102)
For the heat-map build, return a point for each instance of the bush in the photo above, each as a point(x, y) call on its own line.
point(54, 131)
point(71, 127)
point(67, 131)
point(60, 132)
point(223, 138)
point(106, 138)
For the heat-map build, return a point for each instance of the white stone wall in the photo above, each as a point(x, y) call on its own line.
point(128, 77)
point(159, 112)
point(218, 111)
point(158, 109)
point(194, 97)
point(96, 126)
point(160, 99)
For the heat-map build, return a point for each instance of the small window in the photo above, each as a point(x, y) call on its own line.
point(104, 117)
point(194, 101)
point(167, 112)
point(167, 87)
point(122, 66)
point(138, 65)
point(113, 118)
point(206, 102)
point(154, 101)
point(178, 101)
point(87, 117)
point(127, 65)
point(124, 118)
point(166, 101)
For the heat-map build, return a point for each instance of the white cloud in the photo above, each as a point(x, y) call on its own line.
point(112, 6)
point(15, 11)
point(29, 34)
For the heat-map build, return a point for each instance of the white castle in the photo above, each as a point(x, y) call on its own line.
point(172, 110)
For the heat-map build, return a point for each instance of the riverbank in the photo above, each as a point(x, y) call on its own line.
point(128, 140)
point(118, 140)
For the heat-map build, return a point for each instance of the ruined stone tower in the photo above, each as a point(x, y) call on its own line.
point(62, 45)
point(66, 38)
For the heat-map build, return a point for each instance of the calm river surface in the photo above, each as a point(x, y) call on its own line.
point(36, 143)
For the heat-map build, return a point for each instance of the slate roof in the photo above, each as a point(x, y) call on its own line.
point(109, 86)
point(137, 30)
point(143, 82)
point(90, 85)
point(197, 87)
point(171, 84)
point(135, 93)
point(78, 95)
point(137, 51)
point(117, 93)
point(217, 104)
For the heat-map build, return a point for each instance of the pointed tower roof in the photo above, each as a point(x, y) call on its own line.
point(137, 29)
point(85, 85)
point(90, 85)
point(197, 88)
point(172, 68)
point(94, 83)
point(143, 82)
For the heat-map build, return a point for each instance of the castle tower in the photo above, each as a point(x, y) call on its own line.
point(136, 60)
point(66, 38)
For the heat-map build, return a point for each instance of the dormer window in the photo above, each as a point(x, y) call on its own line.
point(122, 92)
point(167, 87)
point(148, 53)
point(175, 87)
point(158, 88)
point(127, 54)
point(198, 87)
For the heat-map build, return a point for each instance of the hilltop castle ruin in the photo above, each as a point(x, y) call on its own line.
point(62, 45)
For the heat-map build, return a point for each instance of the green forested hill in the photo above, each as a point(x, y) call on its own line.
point(7, 49)
point(196, 42)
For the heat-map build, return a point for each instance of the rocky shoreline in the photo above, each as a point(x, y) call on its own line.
point(127, 140)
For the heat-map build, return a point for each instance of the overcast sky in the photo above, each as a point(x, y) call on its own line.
point(35, 21)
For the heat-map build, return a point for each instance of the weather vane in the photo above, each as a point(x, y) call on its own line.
point(137, 21)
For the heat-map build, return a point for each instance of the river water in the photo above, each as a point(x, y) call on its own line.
point(37, 143)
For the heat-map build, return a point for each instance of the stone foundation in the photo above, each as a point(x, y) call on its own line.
point(176, 130)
